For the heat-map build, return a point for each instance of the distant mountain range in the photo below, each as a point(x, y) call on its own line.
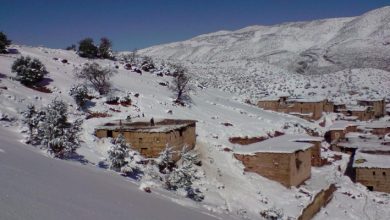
point(284, 55)
point(319, 46)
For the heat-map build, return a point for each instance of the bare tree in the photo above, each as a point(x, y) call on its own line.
point(98, 76)
point(180, 83)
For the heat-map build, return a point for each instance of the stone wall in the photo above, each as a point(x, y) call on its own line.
point(377, 178)
point(319, 201)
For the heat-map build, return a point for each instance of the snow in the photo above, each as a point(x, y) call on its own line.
point(373, 160)
point(341, 125)
point(250, 63)
point(281, 144)
point(37, 187)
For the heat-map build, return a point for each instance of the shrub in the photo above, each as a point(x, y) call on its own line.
point(28, 71)
point(87, 48)
point(4, 42)
point(96, 75)
point(50, 128)
point(104, 50)
point(79, 93)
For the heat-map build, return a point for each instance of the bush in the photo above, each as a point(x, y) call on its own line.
point(50, 128)
point(105, 51)
point(28, 71)
point(96, 75)
point(79, 93)
point(118, 152)
point(4, 42)
point(87, 48)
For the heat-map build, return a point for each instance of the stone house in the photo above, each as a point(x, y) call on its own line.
point(151, 137)
point(361, 113)
point(285, 159)
point(328, 106)
point(377, 105)
point(307, 108)
point(372, 168)
point(379, 128)
point(337, 131)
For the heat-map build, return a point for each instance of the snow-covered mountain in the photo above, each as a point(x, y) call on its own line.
point(286, 53)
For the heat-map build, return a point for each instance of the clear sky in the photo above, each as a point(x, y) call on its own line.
point(141, 23)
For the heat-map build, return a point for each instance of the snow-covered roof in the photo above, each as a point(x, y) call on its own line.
point(377, 124)
point(307, 99)
point(378, 159)
point(160, 125)
point(269, 98)
point(283, 144)
point(372, 145)
point(357, 108)
point(368, 99)
point(341, 125)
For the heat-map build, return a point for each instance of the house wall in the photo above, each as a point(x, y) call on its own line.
point(316, 153)
point(328, 106)
point(381, 131)
point(336, 135)
point(279, 167)
point(314, 108)
point(150, 144)
point(377, 106)
point(268, 105)
point(380, 181)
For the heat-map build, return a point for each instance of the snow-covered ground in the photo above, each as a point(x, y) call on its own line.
point(228, 190)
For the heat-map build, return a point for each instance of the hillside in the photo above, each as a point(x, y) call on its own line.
point(292, 57)
point(228, 189)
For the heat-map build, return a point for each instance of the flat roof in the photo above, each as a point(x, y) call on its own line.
point(307, 99)
point(341, 125)
point(377, 124)
point(160, 125)
point(288, 143)
point(378, 159)
point(269, 98)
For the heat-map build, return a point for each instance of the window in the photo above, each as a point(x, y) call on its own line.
point(371, 188)
point(181, 133)
point(384, 173)
point(373, 173)
point(109, 133)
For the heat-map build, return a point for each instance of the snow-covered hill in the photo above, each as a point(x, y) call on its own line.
point(260, 60)
point(228, 190)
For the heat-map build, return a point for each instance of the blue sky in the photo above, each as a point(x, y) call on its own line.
point(142, 23)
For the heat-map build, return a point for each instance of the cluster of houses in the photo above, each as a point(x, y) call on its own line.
point(287, 158)
point(313, 108)
point(368, 143)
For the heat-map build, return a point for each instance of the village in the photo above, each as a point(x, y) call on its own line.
point(285, 158)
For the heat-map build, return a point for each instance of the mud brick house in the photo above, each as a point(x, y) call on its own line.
point(151, 137)
point(372, 167)
point(337, 131)
point(285, 159)
point(361, 113)
point(273, 103)
point(379, 128)
point(377, 105)
point(307, 108)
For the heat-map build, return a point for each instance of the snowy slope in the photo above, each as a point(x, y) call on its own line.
point(228, 190)
point(36, 187)
point(261, 60)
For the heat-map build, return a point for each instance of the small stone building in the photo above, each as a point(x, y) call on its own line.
point(372, 167)
point(361, 113)
point(338, 130)
point(150, 138)
point(285, 159)
point(379, 128)
point(309, 108)
point(377, 105)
